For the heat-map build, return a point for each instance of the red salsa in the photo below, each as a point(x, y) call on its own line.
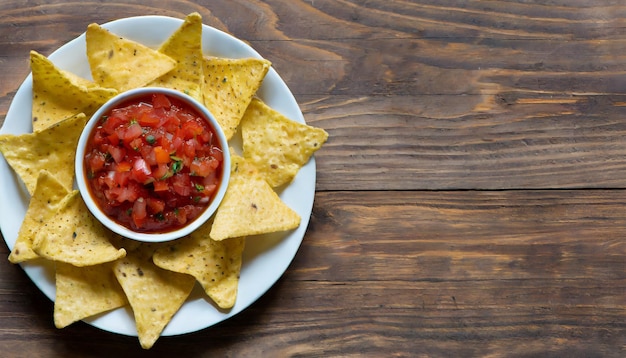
point(153, 164)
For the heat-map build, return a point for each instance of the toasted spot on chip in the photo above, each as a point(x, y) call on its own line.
point(228, 88)
point(277, 145)
point(44, 203)
point(154, 294)
point(75, 237)
point(250, 206)
point(215, 264)
point(52, 149)
point(83, 292)
point(184, 46)
point(120, 63)
point(59, 94)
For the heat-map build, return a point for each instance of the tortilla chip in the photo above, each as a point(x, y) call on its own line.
point(59, 94)
point(53, 149)
point(228, 88)
point(250, 206)
point(275, 144)
point(75, 237)
point(83, 292)
point(123, 64)
point(154, 294)
point(215, 264)
point(44, 203)
point(125, 243)
point(184, 46)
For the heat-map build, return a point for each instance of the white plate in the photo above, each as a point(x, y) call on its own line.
point(265, 258)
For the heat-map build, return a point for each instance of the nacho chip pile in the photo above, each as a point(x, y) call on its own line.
point(97, 270)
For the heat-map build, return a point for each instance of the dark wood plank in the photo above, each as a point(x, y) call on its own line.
point(429, 95)
point(512, 273)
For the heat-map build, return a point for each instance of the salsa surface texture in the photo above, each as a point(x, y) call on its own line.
point(153, 164)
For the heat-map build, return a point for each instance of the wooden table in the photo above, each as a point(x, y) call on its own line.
point(470, 200)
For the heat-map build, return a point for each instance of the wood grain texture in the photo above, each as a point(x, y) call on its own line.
point(470, 199)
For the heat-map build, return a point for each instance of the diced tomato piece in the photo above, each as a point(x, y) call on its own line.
point(217, 154)
point(116, 152)
point(123, 167)
point(95, 161)
point(123, 194)
point(181, 215)
point(181, 184)
point(177, 143)
point(139, 213)
point(99, 138)
point(161, 155)
point(206, 136)
point(171, 124)
point(210, 179)
point(141, 171)
point(113, 138)
point(207, 190)
point(189, 148)
point(112, 122)
point(159, 100)
point(121, 178)
point(203, 167)
point(185, 116)
point(155, 205)
point(161, 185)
point(107, 180)
point(147, 153)
point(165, 142)
point(136, 143)
point(132, 131)
point(192, 129)
point(160, 171)
point(149, 119)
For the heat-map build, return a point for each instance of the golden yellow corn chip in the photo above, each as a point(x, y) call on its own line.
point(75, 237)
point(215, 264)
point(59, 94)
point(52, 149)
point(123, 64)
point(154, 294)
point(250, 206)
point(228, 88)
point(44, 203)
point(184, 46)
point(83, 292)
point(276, 145)
point(125, 243)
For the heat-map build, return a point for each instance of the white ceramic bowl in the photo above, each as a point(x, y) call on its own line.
point(121, 229)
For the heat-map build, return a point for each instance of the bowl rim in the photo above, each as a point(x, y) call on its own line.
point(122, 230)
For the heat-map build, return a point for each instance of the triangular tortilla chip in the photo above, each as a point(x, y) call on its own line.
point(250, 206)
point(184, 46)
point(123, 64)
point(228, 88)
point(215, 264)
point(154, 294)
point(75, 237)
point(53, 149)
point(83, 292)
point(275, 144)
point(59, 94)
point(44, 203)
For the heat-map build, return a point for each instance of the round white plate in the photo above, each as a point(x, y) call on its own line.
point(265, 258)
